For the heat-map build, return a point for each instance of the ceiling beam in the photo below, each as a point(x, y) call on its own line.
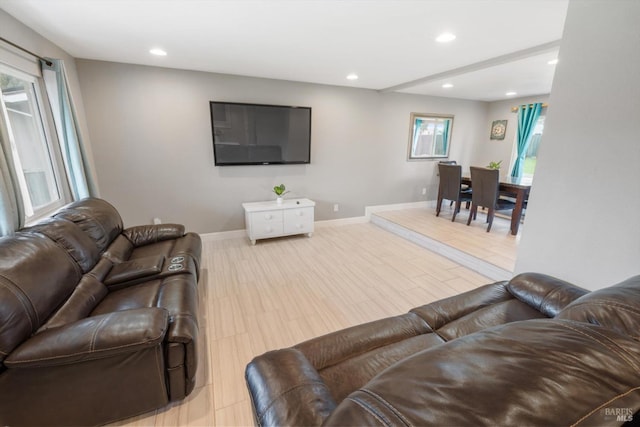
point(492, 62)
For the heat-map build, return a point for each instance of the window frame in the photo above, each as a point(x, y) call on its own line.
point(415, 117)
point(42, 110)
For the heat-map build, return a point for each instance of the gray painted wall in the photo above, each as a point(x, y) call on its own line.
point(582, 224)
point(151, 134)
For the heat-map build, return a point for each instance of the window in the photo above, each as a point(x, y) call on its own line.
point(531, 157)
point(35, 160)
point(430, 136)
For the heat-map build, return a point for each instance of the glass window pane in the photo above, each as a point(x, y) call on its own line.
point(531, 156)
point(26, 134)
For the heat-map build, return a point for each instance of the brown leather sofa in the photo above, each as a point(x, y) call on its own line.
point(97, 323)
point(533, 351)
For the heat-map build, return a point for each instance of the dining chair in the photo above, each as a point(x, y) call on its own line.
point(486, 194)
point(464, 187)
point(450, 187)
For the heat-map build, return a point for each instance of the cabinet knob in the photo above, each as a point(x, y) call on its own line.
point(267, 216)
point(300, 213)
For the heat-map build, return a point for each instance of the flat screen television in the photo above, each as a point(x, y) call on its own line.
point(257, 134)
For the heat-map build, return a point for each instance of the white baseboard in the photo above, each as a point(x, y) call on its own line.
point(341, 221)
point(368, 210)
point(223, 235)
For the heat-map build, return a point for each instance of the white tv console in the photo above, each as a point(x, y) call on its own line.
point(270, 219)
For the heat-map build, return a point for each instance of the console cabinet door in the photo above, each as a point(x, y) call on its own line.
point(266, 224)
point(298, 221)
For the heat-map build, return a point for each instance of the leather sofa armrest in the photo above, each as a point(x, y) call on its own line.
point(286, 390)
point(134, 269)
point(545, 293)
point(146, 234)
point(92, 338)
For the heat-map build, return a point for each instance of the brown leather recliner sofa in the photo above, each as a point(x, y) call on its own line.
point(97, 323)
point(533, 351)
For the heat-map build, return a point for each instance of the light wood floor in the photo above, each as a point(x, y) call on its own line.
point(498, 247)
point(284, 291)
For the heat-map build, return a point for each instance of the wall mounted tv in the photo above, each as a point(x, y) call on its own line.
point(257, 134)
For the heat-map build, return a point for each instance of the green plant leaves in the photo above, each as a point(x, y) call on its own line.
point(279, 190)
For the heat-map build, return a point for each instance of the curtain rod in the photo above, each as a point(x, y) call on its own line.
point(515, 109)
point(46, 61)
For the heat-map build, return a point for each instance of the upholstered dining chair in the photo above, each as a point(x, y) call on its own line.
point(450, 187)
point(450, 162)
point(486, 194)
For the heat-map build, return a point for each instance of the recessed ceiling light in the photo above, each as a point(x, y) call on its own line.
point(553, 62)
point(511, 93)
point(352, 76)
point(158, 52)
point(445, 37)
point(447, 85)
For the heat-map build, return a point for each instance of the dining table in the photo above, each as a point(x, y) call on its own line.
point(512, 186)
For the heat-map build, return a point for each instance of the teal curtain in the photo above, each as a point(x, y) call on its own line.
point(527, 118)
point(75, 158)
point(445, 137)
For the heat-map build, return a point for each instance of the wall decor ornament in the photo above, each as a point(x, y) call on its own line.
point(498, 129)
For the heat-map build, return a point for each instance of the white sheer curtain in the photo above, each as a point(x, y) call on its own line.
point(11, 207)
point(73, 152)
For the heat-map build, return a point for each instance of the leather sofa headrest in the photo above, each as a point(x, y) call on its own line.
point(616, 307)
point(96, 217)
point(70, 237)
point(545, 293)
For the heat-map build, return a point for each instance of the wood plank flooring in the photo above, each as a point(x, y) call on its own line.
point(284, 291)
point(498, 247)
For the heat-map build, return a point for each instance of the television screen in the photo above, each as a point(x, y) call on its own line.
point(255, 134)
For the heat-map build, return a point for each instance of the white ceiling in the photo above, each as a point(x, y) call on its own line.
point(501, 45)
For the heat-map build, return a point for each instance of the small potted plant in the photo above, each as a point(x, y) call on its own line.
point(494, 165)
point(279, 190)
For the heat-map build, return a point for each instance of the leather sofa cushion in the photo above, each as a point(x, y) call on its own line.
point(96, 217)
point(71, 238)
point(544, 371)
point(500, 313)
point(336, 347)
point(346, 377)
point(36, 277)
point(609, 307)
point(439, 313)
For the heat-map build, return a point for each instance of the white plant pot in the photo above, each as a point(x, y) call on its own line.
point(279, 200)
